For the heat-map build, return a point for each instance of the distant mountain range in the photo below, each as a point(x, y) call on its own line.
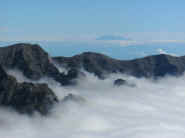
point(35, 63)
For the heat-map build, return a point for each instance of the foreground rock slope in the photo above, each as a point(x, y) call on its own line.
point(25, 97)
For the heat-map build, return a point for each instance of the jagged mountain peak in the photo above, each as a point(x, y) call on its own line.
point(33, 62)
point(29, 58)
point(24, 47)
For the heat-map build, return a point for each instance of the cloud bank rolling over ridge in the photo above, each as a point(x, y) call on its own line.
point(149, 110)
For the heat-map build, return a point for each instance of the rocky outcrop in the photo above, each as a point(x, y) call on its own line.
point(30, 59)
point(34, 62)
point(100, 65)
point(120, 82)
point(25, 97)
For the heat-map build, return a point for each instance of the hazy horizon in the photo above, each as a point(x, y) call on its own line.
point(68, 49)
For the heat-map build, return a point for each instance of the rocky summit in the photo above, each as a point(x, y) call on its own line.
point(34, 62)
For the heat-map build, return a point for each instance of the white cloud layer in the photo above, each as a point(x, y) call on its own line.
point(152, 109)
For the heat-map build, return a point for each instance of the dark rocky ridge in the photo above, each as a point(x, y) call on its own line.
point(34, 62)
point(25, 97)
point(100, 65)
point(91, 62)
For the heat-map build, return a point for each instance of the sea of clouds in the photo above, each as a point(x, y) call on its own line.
point(151, 109)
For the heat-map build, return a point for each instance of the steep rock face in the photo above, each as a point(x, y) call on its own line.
point(100, 65)
point(31, 59)
point(34, 62)
point(25, 97)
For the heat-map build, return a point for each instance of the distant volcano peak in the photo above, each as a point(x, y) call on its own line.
point(112, 37)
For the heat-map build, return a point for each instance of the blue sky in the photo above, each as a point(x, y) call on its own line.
point(139, 22)
point(46, 19)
